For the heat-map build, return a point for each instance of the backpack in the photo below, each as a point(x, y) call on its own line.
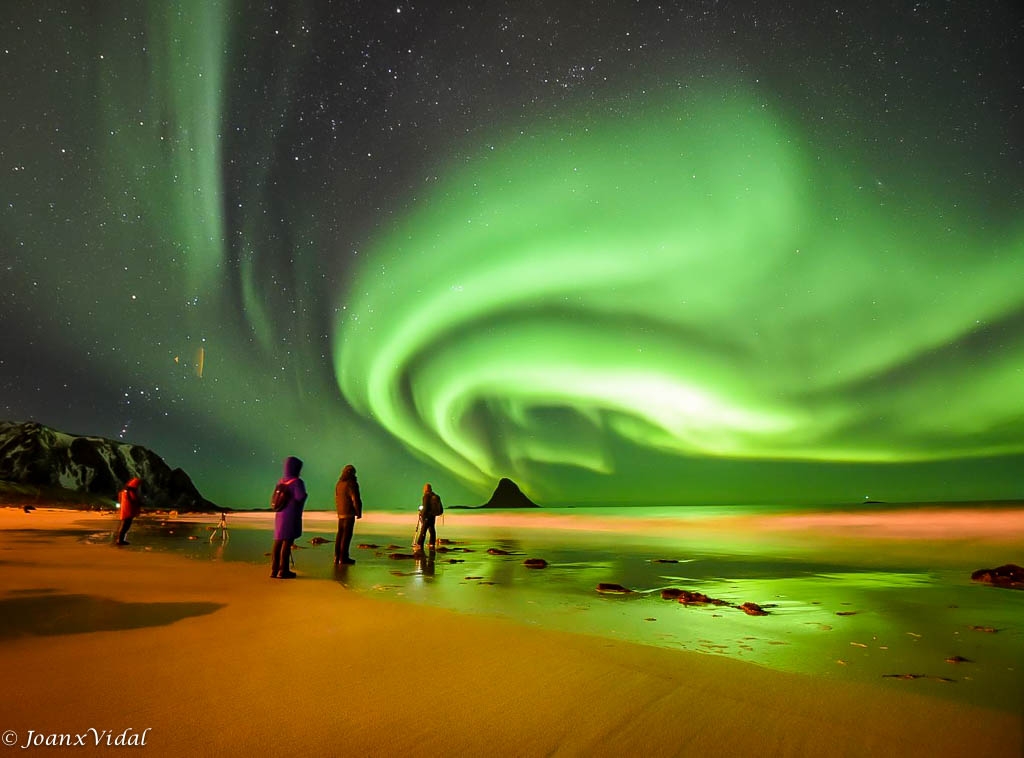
point(282, 493)
point(436, 509)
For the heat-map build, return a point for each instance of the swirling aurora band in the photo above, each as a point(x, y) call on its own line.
point(690, 279)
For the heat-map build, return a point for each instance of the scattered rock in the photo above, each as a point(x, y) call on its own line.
point(753, 609)
point(958, 659)
point(607, 588)
point(846, 613)
point(497, 551)
point(987, 629)
point(1010, 576)
point(943, 679)
point(689, 597)
point(319, 541)
point(664, 560)
point(699, 598)
point(535, 563)
point(402, 556)
point(367, 546)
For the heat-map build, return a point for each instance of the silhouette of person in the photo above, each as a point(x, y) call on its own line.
point(288, 520)
point(350, 508)
point(430, 509)
point(130, 499)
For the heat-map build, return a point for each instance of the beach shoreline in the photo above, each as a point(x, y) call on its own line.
point(215, 658)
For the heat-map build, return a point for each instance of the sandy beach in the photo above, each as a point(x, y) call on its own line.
point(204, 658)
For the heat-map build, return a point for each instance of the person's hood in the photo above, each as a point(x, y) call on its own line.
point(134, 483)
point(349, 472)
point(292, 467)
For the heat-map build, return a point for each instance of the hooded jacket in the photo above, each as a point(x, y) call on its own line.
point(346, 494)
point(130, 499)
point(288, 520)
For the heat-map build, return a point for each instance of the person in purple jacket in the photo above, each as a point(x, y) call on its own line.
point(288, 520)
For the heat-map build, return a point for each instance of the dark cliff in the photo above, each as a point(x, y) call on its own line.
point(36, 455)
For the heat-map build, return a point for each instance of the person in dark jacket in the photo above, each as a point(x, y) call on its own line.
point(130, 499)
point(430, 509)
point(350, 507)
point(288, 520)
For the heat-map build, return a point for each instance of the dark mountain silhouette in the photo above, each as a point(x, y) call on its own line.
point(47, 459)
point(508, 495)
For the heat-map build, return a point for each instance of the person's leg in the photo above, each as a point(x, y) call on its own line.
point(421, 532)
point(338, 540)
point(275, 558)
point(286, 555)
point(346, 539)
point(433, 531)
point(126, 524)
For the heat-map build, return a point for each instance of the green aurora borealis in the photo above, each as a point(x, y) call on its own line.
point(695, 280)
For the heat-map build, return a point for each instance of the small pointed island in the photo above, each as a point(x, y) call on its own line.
point(506, 495)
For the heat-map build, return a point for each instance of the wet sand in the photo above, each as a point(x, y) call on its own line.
point(216, 658)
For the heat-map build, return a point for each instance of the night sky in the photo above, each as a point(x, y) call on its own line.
point(620, 252)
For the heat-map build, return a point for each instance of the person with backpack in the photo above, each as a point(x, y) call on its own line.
point(430, 509)
point(350, 507)
point(288, 500)
point(130, 499)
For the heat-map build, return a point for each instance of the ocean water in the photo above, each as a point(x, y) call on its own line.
point(881, 595)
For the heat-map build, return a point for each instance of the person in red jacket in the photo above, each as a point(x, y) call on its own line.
point(131, 505)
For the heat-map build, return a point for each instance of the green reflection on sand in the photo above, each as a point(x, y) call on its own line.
point(847, 603)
